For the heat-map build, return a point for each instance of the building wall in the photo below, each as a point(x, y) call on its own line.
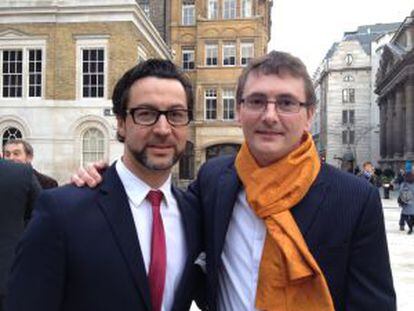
point(55, 122)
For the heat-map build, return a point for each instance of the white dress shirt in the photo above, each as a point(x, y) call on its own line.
point(241, 256)
point(141, 209)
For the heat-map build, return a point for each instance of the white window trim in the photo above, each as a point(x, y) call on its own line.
point(188, 6)
point(209, 47)
point(233, 45)
point(224, 11)
point(25, 44)
point(209, 12)
point(90, 42)
point(245, 44)
point(205, 103)
point(233, 97)
point(187, 50)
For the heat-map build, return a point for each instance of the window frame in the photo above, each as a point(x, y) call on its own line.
point(243, 45)
point(225, 47)
point(229, 99)
point(188, 50)
point(186, 18)
point(348, 95)
point(246, 8)
point(210, 14)
point(229, 9)
point(100, 153)
point(91, 42)
point(210, 98)
point(214, 48)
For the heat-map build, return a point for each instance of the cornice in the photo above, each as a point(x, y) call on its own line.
point(130, 12)
point(388, 84)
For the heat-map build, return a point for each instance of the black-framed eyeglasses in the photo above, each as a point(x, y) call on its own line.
point(149, 116)
point(283, 104)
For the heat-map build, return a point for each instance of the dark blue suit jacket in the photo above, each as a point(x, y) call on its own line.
point(340, 218)
point(81, 253)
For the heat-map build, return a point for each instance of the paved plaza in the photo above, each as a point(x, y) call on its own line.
point(401, 247)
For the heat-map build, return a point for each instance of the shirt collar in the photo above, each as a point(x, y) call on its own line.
point(137, 190)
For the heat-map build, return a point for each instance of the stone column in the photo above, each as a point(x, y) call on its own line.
point(390, 125)
point(399, 123)
point(409, 121)
point(383, 127)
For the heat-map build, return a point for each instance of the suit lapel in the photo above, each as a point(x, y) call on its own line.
point(306, 211)
point(188, 223)
point(114, 204)
point(227, 190)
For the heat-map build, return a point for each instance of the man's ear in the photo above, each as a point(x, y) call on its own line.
point(120, 124)
point(310, 114)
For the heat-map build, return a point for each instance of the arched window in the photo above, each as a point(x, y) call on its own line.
point(219, 150)
point(11, 133)
point(186, 169)
point(348, 78)
point(93, 146)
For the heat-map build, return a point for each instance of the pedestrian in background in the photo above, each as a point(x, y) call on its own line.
point(406, 202)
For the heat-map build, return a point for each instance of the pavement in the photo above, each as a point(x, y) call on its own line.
point(401, 249)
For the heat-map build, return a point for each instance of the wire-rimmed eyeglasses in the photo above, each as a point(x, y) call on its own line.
point(283, 104)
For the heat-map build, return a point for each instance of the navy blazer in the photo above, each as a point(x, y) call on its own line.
point(341, 220)
point(81, 253)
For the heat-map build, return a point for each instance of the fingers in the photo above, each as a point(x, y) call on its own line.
point(74, 179)
point(91, 175)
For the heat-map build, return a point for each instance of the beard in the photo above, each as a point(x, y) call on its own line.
point(141, 157)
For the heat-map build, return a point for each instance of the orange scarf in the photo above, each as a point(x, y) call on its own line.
point(289, 277)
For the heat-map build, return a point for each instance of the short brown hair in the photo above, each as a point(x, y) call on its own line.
point(278, 63)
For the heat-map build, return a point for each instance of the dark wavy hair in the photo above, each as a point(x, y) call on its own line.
point(158, 68)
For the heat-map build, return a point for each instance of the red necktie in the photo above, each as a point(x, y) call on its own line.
point(158, 264)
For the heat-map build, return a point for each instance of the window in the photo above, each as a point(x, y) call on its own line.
point(229, 9)
point(92, 146)
point(348, 95)
point(11, 133)
point(212, 9)
point(211, 104)
point(229, 54)
point(348, 59)
point(188, 13)
point(348, 137)
point(93, 73)
point(35, 73)
point(246, 8)
point(12, 73)
point(228, 105)
point(145, 6)
point(247, 53)
point(188, 59)
point(186, 168)
point(211, 54)
point(348, 117)
point(348, 78)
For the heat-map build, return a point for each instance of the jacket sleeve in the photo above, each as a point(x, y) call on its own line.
point(369, 284)
point(37, 276)
point(34, 191)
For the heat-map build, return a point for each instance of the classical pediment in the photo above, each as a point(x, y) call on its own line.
point(391, 56)
point(12, 34)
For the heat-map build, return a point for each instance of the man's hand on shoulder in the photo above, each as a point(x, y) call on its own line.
point(89, 176)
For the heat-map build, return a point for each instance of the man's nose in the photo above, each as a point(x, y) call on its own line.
point(271, 114)
point(162, 127)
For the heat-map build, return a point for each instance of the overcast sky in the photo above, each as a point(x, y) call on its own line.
point(308, 28)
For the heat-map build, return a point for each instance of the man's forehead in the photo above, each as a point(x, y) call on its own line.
point(13, 146)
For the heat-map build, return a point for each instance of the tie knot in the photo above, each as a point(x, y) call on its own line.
point(155, 197)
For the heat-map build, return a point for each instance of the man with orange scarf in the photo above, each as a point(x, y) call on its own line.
point(283, 231)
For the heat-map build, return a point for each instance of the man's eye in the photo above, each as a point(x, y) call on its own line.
point(144, 113)
point(257, 101)
point(286, 102)
point(176, 113)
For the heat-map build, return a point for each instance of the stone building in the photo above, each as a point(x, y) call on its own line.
point(213, 40)
point(59, 62)
point(395, 89)
point(347, 128)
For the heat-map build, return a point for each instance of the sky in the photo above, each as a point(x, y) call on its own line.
point(308, 28)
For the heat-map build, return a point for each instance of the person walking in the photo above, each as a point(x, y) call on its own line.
point(406, 202)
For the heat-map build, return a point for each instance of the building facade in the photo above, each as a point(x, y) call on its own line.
point(60, 60)
point(213, 40)
point(348, 130)
point(395, 89)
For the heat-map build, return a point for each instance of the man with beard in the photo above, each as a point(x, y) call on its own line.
point(130, 243)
